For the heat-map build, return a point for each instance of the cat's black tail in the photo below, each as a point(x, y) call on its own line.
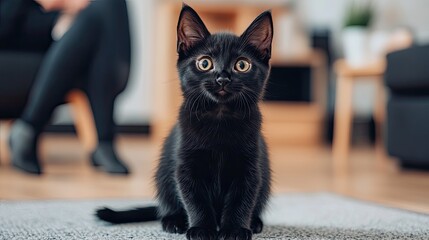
point(145, 214)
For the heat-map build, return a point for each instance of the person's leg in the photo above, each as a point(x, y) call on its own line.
point(96, 44)
point(105, 156)
point(66, 61)
point(64, 65)
point(102, 101)
point(107, 78)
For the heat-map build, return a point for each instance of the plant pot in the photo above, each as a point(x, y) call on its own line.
point(356, 46)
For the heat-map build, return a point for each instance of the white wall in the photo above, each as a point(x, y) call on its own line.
point(388, 15)
point(134, 104)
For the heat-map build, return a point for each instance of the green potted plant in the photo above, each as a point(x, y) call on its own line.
point(355, 32)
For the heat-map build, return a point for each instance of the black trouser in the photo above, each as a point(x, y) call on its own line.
point(94, 55)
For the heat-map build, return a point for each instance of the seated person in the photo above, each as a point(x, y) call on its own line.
point(92, 55)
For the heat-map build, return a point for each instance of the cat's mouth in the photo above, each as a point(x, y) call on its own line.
point(222, 92)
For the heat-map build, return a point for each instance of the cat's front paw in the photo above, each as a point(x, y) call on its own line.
point(199, 233)
point(257, 225)
point(235, 234)
point(174, 224)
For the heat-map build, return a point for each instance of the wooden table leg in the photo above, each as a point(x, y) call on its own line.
point(379, 115)
point(342, 123)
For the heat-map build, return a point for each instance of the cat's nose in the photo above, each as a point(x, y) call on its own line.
point(223, 81)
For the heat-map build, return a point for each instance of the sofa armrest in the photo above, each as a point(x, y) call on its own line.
point(17, 73)
point(408, 69)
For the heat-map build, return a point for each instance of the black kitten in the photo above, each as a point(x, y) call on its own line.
point(213, 179)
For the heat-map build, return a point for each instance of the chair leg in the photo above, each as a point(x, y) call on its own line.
point(4, 145)
point(83, 119)
point(343, 123)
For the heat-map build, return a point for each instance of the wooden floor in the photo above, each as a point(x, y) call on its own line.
point(296, 169)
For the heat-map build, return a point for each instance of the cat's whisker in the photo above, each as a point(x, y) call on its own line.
point(250, 91)
point(211, 97)
point(199, 96)
point(242, 104)
point(249, 100)
point(254, 97)
point(249, 107)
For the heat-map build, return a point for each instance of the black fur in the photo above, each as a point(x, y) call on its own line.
point(213, 179)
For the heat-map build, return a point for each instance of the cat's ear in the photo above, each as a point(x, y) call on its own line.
point(190, 29)
point(260, 34)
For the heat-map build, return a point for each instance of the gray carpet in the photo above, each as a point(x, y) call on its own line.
point(290, 216)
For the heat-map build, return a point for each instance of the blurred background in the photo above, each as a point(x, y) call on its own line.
point(346, 108)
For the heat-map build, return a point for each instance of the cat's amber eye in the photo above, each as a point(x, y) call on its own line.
point(204, 64)
point(242, 65)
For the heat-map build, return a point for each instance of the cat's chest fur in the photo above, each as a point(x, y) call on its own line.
point(220, 128)
point(220, 112)
point(216, 143)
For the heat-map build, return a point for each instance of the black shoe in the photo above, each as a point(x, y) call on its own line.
point(23, 148)
point(105, 158)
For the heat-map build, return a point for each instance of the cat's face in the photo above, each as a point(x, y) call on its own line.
point(223, 67)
